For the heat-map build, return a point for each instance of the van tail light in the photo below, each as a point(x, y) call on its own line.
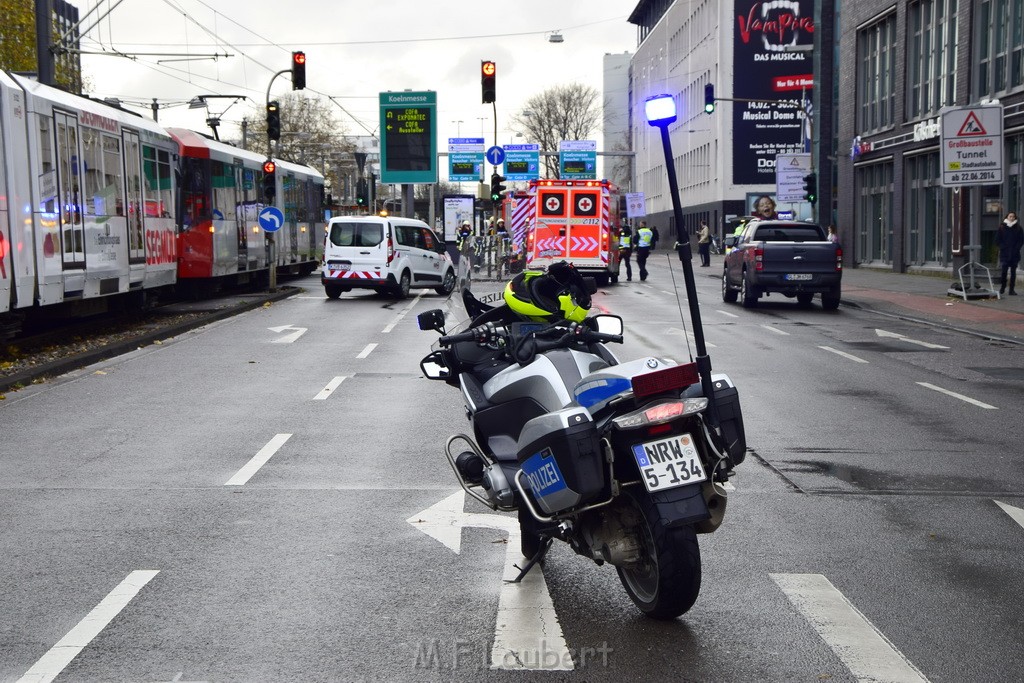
point(839, 258)
point(391, 250)
point(759, 258)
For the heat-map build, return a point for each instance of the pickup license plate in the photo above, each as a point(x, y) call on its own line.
point(668, 463)
point(340, 266)
point(800, 276)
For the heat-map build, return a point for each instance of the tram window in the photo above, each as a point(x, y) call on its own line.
point(158, 182)
point(222, 180)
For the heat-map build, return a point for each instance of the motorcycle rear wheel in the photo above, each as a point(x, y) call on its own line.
point(665, 584)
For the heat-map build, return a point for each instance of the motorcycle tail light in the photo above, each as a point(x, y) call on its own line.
point(669, 379)
point(660, 413)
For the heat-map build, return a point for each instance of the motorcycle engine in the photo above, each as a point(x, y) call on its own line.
point(611, 535)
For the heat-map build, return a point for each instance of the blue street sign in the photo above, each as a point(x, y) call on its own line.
point(495, 155)
point(271, 219)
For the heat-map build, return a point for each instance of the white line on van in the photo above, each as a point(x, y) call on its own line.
point(366, 352)
point(402, 314)
point(329, 389)
point(259, 460)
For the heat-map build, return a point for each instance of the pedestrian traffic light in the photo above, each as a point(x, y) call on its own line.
point(269, 180)
point(709, 98)
point(487, 74)
point(811, 188)
point(298, 70)
point(273, 121)
point(496, 187)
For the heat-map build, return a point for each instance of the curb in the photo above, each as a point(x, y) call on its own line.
point(981, 334)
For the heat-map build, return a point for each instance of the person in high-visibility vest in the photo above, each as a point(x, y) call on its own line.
point(626, 249)
point(644, 238)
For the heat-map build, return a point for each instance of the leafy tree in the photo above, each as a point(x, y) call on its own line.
point(564, 112)
point(18, 45)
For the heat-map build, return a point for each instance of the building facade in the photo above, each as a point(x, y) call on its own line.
point(758, 59)
point(904, 62)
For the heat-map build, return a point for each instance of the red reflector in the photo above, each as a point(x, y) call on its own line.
point(675, 377)
point(659, 429)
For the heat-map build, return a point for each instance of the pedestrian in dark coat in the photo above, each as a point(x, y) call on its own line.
point(1010, 239)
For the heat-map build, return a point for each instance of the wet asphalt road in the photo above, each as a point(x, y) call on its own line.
point(874, 469)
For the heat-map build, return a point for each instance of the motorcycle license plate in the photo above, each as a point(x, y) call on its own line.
point(668, 463)
point(800, 276)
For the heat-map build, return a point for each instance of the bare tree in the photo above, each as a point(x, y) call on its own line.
point(565, 112)
point(310, 134)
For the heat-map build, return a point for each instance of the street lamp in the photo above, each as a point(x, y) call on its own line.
point(661, 112)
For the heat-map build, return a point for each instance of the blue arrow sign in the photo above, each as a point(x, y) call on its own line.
point(271, 219)
point(495, 155)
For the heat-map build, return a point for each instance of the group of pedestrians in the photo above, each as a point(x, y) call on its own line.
point(641, 242)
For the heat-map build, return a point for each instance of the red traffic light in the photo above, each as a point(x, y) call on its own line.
point(298, 70)
point(269, 166)
point(487, 80)
point(299, 57)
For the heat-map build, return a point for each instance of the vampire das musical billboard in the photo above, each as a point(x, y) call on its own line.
point(766, 69)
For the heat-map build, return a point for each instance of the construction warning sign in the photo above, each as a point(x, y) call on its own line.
point(972, 145)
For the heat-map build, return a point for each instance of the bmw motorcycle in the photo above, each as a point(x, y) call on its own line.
point(623, 460)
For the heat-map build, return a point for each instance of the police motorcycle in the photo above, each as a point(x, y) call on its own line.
point(622, 460)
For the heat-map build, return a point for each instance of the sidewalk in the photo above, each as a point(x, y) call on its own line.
point(924, 298)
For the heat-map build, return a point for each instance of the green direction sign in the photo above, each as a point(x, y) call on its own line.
point(578, 159)
point(408, 125)
point(522, 162)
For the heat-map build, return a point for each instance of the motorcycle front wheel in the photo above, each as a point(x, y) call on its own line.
point(666, 581)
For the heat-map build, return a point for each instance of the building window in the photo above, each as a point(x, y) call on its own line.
point(874, 213)
point(1000, 46)
point(929, 209)
point(931, 57)
point(876, 78)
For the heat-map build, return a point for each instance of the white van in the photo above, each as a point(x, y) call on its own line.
point(389, 254)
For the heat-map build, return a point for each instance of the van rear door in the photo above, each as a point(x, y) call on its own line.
point(357, 246)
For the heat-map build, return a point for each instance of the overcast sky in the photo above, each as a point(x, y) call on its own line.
point(354, 50)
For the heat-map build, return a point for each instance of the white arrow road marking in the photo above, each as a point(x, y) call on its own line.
point(331, 386)
point(776, 330)
point(77, 639)
point(947, 392)
point(402, 314)
point(366, 351)
point(259, 460)
point(1016, 514)
point(527, 634)
point(849, 356)
point(865, 651)
point(896, 335)
point(288, 338)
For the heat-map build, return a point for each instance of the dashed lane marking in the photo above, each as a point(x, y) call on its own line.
point(259, 460)
point(731, 315)
point(848, 356)
point(77, 639)
point(402, 314)
point(329, 389)
point(966, 399)
point(862, 648)
point(366, 351)
point(776, 330)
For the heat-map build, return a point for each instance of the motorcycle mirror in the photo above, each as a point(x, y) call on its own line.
point(607, 324)
point(433, 367)
point(431, 320)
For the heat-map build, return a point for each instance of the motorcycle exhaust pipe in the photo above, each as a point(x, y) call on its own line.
point(716, 498)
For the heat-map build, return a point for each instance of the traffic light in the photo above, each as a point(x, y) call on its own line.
point(496, 187)
point(709, 98)
point(362, 193)
point(487, 73)
point(273, 120)
point(811, 188)
point(298, 70)
point(269, 180)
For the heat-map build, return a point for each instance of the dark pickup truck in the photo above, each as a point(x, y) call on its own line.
point(787, 257)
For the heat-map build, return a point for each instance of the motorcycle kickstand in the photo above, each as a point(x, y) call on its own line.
point(525, 569)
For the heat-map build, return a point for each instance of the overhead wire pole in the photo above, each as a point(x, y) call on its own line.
point(271, 242)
